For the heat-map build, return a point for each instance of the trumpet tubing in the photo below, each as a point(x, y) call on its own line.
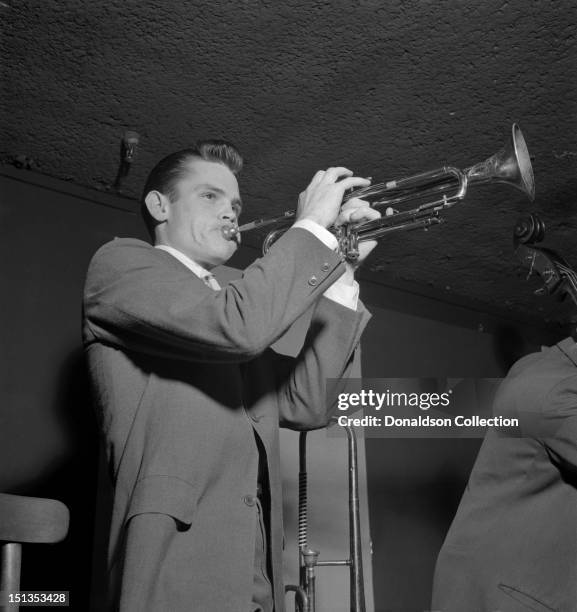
point(436, 190)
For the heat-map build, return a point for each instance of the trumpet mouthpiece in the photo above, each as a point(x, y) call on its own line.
point(231, 232)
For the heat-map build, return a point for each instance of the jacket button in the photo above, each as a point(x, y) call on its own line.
point(248, 500)
point(325, 267)
point(313, 281)
point(255, 417)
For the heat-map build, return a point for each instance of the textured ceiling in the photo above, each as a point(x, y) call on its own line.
point(386, 88)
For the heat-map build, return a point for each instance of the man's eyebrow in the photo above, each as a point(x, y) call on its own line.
point(236, 201)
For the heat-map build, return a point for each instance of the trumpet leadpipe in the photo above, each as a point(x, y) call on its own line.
point(286, 216)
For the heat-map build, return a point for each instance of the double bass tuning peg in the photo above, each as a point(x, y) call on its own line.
point(529, 230)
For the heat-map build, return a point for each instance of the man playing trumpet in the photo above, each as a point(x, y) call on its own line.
point(191, 396)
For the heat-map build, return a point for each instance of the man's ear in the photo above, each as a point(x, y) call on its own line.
point(158, 205)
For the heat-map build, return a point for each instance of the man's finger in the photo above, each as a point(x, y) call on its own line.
point(355, 215)
point(317, 178)
point(354, 203)
point(353, 181)
point(344, 217)
point(366, 213)
point(333, 174)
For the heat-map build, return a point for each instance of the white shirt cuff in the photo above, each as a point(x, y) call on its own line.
point(344, 294)
point(319, 231)
point(340, 292)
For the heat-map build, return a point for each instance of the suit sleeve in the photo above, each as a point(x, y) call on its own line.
point(310, 383)
point(136, 299)
point(558, 426)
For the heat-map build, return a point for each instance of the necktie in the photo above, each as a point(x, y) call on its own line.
point(211, 282)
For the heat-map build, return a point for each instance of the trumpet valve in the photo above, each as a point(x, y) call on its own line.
point(348, 243)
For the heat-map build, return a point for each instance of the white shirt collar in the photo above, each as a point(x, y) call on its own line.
point(189, 263)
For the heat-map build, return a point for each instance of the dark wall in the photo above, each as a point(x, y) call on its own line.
point(48, 439)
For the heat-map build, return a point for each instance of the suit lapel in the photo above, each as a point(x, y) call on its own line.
point(178, 265)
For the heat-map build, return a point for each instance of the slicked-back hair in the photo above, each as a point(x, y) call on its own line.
point(168, 171)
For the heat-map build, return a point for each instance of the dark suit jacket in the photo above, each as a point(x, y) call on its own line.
point(183, 380)
point(513, 543)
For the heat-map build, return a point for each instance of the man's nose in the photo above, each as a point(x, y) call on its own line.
point(228, 213)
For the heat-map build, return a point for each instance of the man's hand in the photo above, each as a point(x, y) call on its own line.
point(322, 199)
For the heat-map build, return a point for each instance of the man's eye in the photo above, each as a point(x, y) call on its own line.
point(209, 195)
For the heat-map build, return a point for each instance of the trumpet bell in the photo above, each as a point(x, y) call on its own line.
point(511, 165)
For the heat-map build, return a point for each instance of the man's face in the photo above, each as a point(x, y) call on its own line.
point(207, 201)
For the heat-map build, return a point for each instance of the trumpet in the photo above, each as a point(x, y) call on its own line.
point(433, 192)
